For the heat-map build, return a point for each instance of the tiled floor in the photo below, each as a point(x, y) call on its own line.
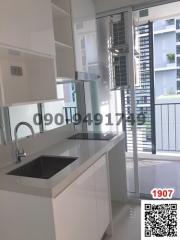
point(154, 173)
point(126, 222)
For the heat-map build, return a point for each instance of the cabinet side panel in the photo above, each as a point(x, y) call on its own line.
point(102, 194)
point(117, 169)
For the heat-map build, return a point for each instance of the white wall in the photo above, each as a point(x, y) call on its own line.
point(106, 5)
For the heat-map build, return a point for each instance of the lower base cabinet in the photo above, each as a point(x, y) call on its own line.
point(102, 196)
point(80, 212)
point(75, 210)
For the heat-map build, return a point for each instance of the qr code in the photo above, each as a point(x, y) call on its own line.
point(160, 219)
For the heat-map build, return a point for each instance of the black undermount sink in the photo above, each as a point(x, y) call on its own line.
point(43, 167)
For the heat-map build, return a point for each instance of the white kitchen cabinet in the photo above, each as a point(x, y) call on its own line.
point(25, 217)
point(117, 172)
point(75, 210)
point(25, 77)
point(80, 212)
point(102, 196)
point(27, 52)
point(63, 39)
point(27, 25)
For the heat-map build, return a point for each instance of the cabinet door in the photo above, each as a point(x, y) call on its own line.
point(102, 195)
point(75, 210)
point(25, 77)
point(27, 24)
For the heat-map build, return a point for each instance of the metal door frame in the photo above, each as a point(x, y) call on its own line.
point(131, 70)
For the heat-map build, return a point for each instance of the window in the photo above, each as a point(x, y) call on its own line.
point(178, 49)
point(144, 65)
point(128, 110)
point(128, 100)
point(62, 111)
point(178, 73)
point(178, 24)
point(178, 37)
point(145, 99)
point(54, 113)
point(170, 22)
point(178, 61)
point(120, 71)
point(119, 37)
point(144, 13)
point(84, 60)
point(178, 85)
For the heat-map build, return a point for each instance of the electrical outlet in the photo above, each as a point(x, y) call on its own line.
point(16, 71)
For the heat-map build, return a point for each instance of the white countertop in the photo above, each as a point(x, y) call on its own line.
point(87, 151)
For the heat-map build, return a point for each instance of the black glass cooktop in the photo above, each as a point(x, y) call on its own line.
point(94, 136)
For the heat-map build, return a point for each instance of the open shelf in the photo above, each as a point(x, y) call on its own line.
point(59, 12)
point(65, 63)
point(60, 44)
point(63, 30)
point(63, 5)
point(63, 39)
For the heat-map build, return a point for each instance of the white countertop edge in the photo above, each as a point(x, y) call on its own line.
point(51, 188)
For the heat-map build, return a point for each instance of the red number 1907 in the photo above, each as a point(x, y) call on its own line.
point(162, 193)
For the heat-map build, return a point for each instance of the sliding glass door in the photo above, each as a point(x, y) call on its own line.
point(116, 37)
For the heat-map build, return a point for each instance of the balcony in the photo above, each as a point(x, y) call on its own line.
point(164, 26)
point(166, 30)
point(168, 67)
point(168, 125)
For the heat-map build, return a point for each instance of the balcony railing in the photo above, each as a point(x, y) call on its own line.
point(168, 127)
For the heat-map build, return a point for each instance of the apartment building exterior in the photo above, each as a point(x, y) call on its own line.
point(167, 56)
point(167, 83)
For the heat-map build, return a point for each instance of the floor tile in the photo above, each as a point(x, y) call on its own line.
point(126, 222)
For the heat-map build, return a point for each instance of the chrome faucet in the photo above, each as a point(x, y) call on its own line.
point(20, 153)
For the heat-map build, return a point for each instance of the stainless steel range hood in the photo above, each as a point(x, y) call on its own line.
point(80, 77)
point(87, 77)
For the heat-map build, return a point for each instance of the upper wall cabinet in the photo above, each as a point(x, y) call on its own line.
point(25, 77)
point(36, 49)
point(27, 24)
point(85, 35)
point(63, 36)
point(27, 52)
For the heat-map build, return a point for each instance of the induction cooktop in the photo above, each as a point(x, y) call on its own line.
point(93, 136)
